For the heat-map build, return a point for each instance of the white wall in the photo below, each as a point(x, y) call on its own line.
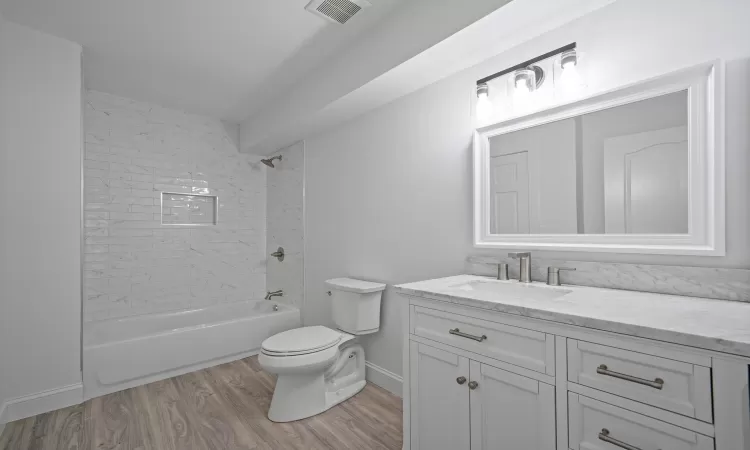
point(411, 29)
point(40, 201)
point(132, 263)
point(388, 194)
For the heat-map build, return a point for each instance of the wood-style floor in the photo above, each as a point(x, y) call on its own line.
point(221, 408)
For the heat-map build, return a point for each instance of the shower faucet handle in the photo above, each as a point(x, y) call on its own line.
point(279, 254)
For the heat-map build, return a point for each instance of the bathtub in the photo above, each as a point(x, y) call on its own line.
point(123, 353)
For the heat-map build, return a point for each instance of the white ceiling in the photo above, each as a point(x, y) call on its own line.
point(461, 35)
point(222, 58)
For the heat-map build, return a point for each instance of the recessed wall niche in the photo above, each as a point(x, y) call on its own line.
point(189, 209)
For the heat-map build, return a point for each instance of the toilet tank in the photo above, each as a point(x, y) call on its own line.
point(355, 305)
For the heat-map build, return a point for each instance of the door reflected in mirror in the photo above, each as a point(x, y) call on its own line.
point(622, 170)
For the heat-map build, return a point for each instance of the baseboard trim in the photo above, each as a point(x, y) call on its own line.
point(41, 402)
point(384, 378)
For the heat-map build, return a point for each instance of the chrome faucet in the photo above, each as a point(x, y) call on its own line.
point(525, 258)
point(270, 295)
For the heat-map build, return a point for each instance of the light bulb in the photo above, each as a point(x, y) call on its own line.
point(484, 106)
point(522, 89)
point(570, 76)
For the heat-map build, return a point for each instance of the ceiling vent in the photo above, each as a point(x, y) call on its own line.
point(339, 11)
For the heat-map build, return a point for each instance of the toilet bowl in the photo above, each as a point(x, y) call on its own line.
point(317, 368)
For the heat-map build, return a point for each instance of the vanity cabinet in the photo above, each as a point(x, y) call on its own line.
point(596, 425)
point(519, 346)
point(510, 411)
point(670, 384)
point(480, 379)
point(458, 403)
point(439, 398)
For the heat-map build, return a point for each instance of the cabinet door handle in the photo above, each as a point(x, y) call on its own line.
point(461, 380)
point(604, 436)
point(457, 332)
point(658, 383)
point(473, 385)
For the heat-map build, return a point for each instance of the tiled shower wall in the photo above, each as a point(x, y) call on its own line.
point(286, 224)
point(134, 264)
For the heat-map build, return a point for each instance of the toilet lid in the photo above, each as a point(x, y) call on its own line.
point(299, 340)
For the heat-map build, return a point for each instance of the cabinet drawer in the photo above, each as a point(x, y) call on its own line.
point(675, 386)
point(594, 425)
point(525, 348)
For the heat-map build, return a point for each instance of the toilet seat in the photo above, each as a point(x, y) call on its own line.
point(301, 341)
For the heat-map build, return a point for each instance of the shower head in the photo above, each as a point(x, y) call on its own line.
point(269, 161)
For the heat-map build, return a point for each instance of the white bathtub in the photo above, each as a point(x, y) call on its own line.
point(123, 353)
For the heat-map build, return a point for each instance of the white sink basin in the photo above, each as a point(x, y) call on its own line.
point(513, 289)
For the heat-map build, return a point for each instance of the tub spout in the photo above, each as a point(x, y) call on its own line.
point(270, 295)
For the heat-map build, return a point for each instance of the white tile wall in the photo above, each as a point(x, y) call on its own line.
point(286, 224)
point(133, 264)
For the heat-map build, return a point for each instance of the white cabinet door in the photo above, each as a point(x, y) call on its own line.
point(509, 411)
point(439, 399)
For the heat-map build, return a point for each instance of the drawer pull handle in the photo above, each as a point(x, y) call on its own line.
point(658, 383)
point(604, 436)
point(461, 380)
point(457, 332)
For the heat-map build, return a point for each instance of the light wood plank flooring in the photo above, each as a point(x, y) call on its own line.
point(221, 408)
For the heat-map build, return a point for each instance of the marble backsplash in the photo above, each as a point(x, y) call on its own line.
point(714, 283)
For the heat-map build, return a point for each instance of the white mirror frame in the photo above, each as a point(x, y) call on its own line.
point(706, 210)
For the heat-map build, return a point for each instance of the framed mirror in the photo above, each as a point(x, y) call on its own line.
point(634, 170)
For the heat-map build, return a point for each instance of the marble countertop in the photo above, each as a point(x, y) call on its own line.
point(716, 325)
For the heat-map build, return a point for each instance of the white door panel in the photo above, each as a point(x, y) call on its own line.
point(646, 183)
point(510, 194)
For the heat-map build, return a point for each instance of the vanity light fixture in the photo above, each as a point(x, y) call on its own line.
point(527, 77)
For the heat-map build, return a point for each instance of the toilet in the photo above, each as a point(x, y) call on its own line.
point(319, 367)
